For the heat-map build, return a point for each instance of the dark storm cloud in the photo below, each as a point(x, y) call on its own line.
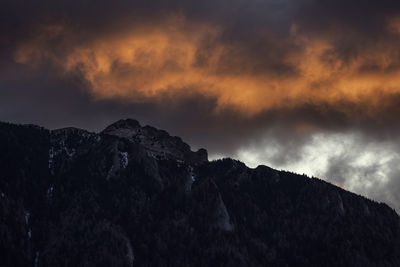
point(258, 30)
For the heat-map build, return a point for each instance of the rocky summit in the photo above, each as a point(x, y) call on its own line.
point(136, 196)
point(158, 143)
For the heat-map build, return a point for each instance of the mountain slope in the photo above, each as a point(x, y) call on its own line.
point(135, 196)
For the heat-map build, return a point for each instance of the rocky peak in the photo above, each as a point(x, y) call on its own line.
point(158, 143)
point(123, 124)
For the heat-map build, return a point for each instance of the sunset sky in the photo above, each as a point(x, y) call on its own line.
point(310, 86)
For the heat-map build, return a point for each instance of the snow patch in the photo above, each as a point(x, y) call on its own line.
point(120, 161)
point(129, 255)
point(51, 160)
point(3, 195)
point(191, 173)
point(27, 215)
point(190, 180)
point(30, 233)
point(58, 147)
point(36, 261)
point(71, 152)
point(124, 159)
point(222, 216)
point(50, 191)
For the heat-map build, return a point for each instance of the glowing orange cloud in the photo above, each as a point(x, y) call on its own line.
point(140, 64)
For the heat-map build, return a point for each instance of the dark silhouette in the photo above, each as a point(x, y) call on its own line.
point(135, 196)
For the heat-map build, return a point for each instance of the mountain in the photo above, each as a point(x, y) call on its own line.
point(136, 196)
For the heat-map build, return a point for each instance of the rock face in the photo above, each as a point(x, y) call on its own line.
point(158, 143)
point(135, 196)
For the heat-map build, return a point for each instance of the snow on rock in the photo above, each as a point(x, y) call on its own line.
point(222, 216)
point(190, 180)
point(129, 254)
point(50, 191)
point(63, 142)
point(56, 150)
point(179, 162)
point(124, 159)
point(71, 152)
point(27, 215)
point(191, 173)
point(51, 160)
point(36, 261)
point(120, 161)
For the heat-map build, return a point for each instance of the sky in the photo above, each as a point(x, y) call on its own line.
point(310, 86)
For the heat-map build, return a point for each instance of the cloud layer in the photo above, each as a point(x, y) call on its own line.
point(306, 85)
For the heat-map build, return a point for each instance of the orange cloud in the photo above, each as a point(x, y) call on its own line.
point(143, 63)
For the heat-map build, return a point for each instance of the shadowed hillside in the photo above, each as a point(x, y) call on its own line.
point(135, 196)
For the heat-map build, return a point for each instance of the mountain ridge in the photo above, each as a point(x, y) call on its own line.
point(71, 197)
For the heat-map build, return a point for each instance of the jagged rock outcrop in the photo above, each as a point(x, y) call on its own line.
point(135, 196)
point(158, 143)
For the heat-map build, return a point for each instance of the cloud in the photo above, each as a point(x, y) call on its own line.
point(178, 56)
